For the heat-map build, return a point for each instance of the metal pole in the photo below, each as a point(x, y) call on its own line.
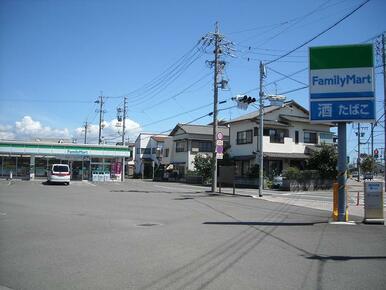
point(85, 132)
point(215, 101)
point(342, 153)
point(100, 119)
point(359, 153)
point(124, 120)
point(372, 140)
point(261, 132)
point(384, 98)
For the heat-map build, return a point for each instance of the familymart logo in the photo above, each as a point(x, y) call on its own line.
point(337, 80)
point(336, 73)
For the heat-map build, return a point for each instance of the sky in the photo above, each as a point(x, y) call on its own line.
point(58, 57)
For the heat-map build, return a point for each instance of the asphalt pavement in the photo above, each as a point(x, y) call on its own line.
point(151, 235)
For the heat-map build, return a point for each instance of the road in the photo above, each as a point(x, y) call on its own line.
point(149, 235)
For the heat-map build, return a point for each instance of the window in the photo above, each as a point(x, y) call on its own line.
point(153, 150)
point(276, 135)
point(310, 137)
point(244, 137)
point(180, 146)
point(255, 131)
point(326, 138)
point(202, 146)
point(296, 137)
point(167, 152)
point(145, 150)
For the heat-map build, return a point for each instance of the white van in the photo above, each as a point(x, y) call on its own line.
point(60, 173)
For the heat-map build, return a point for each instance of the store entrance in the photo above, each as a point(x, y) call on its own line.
point(80, 170)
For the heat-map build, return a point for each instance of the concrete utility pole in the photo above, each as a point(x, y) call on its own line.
point(85, 132)
point(215, 102)
point(359, 152)
point(384, 98)
point(101, 112)
point(124, 120)
point(261, 130)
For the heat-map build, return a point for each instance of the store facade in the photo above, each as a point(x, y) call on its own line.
point(30, 160)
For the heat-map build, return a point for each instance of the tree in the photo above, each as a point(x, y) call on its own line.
point(325, 161)
point(204, 166)
point(367, 164)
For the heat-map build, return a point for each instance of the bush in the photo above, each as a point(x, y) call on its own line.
point(292, 173)
point(204, 166)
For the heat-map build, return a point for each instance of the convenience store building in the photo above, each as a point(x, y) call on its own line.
point(30, 160)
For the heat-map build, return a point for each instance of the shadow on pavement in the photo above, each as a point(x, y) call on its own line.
point(345, 258)
point(54, 183)
point(264, 223)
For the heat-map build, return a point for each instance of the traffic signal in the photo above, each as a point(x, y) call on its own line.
point(246, 100)
point(376, 152)
point(243, 101)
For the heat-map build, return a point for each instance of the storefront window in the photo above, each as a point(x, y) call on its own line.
point(52, 161)
point(9, 164)
point(23, 166)
point(1, 165)
point(40, 167)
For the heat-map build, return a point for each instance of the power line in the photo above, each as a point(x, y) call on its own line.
point(320, 33)
point(179, 93)
point(166, 71)
point(287, 76)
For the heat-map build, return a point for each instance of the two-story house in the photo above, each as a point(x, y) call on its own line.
point(288, 138)
point(149, 151)
point(190, 140)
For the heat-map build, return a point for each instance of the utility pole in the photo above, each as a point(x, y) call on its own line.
point(372, 140)
point(359, 152)
point(101, 112)
point(85, 132)
point(124, 120)
point(215, 102)
point(261, 130)
point(221, 47)
point(384, 98)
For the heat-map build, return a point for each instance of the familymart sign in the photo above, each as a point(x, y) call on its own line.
point(342, 83)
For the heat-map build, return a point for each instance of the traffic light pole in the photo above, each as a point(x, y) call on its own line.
point(261, 131)
point(384, 98)
point(215, 101)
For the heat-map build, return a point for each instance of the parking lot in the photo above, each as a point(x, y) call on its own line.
point(149, 235)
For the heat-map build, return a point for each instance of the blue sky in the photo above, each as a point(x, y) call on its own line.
point(57, 56)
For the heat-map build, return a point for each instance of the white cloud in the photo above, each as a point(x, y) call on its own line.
point(28, 128)
point(110, 132)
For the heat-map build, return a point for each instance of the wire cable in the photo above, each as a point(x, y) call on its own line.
point(320, 33)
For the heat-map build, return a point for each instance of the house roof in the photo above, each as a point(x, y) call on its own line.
point(268, 109)
point(295, 118)
point(199, 129)
point(159, 138)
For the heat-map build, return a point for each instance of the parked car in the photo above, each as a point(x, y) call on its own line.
point(368, 175)
point(354, 174)
point(277, 181)
point(60, 173)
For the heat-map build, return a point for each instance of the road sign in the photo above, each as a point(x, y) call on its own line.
point(342, 83)
point(219, 155)
point(220, 143)
point(220, 136)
